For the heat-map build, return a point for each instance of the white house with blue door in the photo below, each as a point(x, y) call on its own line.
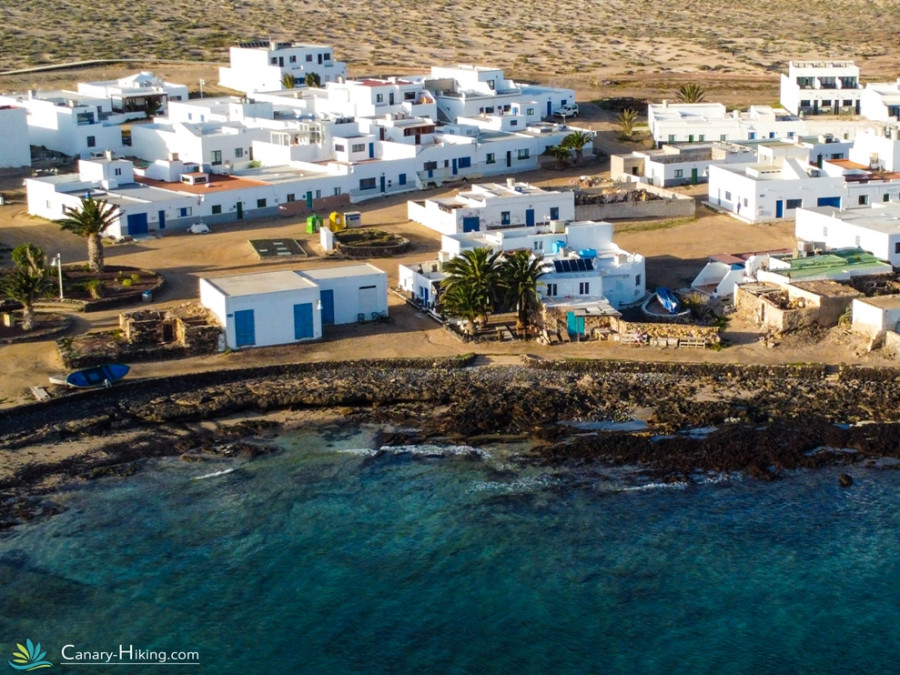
point(489, 206)
point(285, 306)
point(582, 264)
point(774, 188)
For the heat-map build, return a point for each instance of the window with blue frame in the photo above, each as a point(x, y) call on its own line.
point(401, 179)
point(367, 184)
point(505, 218)
point(464, 162)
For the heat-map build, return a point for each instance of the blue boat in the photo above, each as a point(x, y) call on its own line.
point(97, 376)
point(668, 300)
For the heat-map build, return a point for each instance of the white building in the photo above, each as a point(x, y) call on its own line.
point(817, 87)
point(260, 65)
point(877, 148)
point(285, 306)
point(138, 96)
point(15, 150)
point(469, 91)
point(880, 101)
point(216, 146)
point(581, 263)
point(699, 122)
point(873, 317)
point(491, 206)
point(875, 229)
point(725, 271)
point(69, 122)
point(782, 181)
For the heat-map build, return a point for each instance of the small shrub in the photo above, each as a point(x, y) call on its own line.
point(127, 282)
point(95, 288)
point(135, 278)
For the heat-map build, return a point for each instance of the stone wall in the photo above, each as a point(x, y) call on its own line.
point(667, 204)
point(672, 333)
point(147, 335)
point(789, 308)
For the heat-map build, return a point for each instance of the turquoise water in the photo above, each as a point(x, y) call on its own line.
point(323, 559)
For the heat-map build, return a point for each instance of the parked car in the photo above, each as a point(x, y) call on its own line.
point(568, 110)
point(199, 228)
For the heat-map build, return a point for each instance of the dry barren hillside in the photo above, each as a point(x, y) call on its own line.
point(562, 42)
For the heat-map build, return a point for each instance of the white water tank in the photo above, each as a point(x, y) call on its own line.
point(557, 226)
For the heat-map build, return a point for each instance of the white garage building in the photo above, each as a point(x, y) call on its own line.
point(284, 306)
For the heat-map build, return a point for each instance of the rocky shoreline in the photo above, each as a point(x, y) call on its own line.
point(760, 420)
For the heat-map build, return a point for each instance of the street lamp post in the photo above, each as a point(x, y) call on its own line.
point(57, 263)
point(202, 82)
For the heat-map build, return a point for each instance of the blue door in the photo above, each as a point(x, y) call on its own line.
point(137, 223)
point(549, 111)
point(554, 213)
point(303, 321)
point(471, 224)
point(382, 183)
point(779, 209)
point(371, 150)
point(529, 217)
point(829, 201)
point(327, 298)
point(244, 328)
point(574, 324)
point(454, 166)
point(162, 220)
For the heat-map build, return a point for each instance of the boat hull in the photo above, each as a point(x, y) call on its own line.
point(668, 300)
point(97, 376)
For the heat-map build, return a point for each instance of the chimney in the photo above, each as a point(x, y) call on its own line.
point(665, 104)
point(109, 154)
point(511, 183)
point(895, 134)
point(173, 156)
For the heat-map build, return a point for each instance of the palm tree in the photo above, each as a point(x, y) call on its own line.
point(691, 93)
point(91, 220)
point(288, 80)
point(561, 154)
point(464, 302)
point(576, 141)
point(473, 279)
point(313, 81)
point(26, 287)
point(520, 274)
point(626, 121)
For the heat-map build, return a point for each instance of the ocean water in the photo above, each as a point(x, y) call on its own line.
point(327, 558)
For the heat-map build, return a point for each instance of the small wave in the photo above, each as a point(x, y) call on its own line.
point(525, 484)
point(362, 452)
point(435, 450)
point(656, 486)
point(215, 473)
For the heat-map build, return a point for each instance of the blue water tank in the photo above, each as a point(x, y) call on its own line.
point(587, 253)
point(558, 245)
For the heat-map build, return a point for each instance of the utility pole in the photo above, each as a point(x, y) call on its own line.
point(57, 263)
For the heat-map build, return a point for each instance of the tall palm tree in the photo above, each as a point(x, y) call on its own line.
point(288, 80)
point(626, 121)
point(691, 93)
point(520, 275)
point(26, 287)
point(576, 141)
point(90, 220)
point(473, 275)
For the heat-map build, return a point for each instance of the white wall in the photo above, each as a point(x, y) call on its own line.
point(834, 232)
point(872, 320)
point(348, 296)
point(14, 148)
point(273, 315)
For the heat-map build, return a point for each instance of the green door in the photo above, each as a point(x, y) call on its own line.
point(693, 176)
point(240, 210)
